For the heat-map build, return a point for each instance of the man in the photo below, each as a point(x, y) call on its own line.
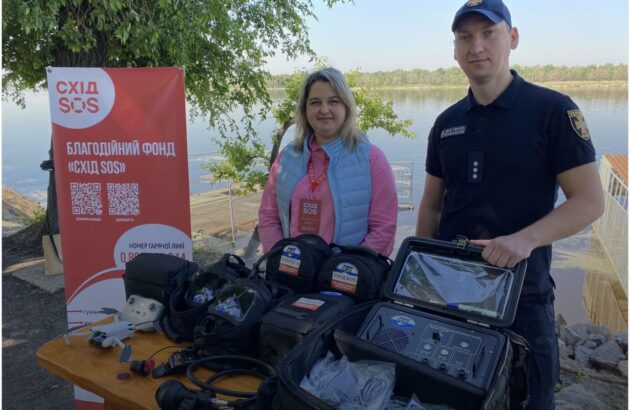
point(494, 162)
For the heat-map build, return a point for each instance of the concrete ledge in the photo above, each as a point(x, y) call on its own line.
point(32, 271)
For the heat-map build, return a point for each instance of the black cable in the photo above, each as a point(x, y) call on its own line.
point(233, 372)
point(164, 348)
point(261, 366)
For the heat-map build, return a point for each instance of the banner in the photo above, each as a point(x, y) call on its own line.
point(121, 171)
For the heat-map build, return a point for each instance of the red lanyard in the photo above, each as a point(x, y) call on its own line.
point(315, 182)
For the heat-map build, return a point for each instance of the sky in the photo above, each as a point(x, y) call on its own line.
point(385, 35)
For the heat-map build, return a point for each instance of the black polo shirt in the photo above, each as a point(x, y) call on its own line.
point(499, 164)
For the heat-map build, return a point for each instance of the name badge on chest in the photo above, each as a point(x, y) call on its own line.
point(310, 216)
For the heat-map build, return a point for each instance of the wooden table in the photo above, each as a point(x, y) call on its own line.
point(100, 372)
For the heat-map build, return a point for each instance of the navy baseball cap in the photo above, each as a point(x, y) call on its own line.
point(494, 10)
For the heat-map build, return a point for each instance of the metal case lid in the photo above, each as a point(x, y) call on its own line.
point(451, 278)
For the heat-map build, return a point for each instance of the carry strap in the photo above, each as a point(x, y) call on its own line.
point(362, 250)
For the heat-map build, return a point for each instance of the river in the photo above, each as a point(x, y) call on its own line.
point(26, 140)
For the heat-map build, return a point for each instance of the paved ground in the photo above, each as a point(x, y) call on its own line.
point(30, 317)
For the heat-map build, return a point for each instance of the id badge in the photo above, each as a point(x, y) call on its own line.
point(310, 216)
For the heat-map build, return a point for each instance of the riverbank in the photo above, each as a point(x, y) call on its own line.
point(619, 85)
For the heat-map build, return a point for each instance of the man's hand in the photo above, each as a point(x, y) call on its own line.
point(505, 251)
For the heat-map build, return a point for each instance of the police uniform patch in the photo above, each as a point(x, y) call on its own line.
point(578, 123)
point(449, 132)
point(473, 3)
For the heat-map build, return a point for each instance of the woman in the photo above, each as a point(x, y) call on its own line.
point(331, 181)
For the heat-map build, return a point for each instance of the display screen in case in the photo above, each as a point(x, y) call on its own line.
point(466, 285)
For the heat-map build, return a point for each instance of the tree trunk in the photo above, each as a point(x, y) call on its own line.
point(278, 134)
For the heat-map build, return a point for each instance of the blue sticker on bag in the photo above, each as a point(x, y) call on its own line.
point(403, 322)
point(290, 260)
point(329, 293)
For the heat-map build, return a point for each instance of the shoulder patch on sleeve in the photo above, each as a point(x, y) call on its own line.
point(578, 123)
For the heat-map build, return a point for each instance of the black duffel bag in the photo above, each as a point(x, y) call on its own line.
point(294, 262)
point(156, 276)
point(356, 271)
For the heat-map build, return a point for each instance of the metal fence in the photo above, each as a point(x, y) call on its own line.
point(612, 227)
point(223, 220)
point(403, 173)
point(601, 301)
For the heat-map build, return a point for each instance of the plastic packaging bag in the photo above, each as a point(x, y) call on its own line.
point(365, 384)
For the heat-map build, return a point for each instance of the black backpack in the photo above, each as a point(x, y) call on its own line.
point(294, 262)
point(231, 322)
point(190, 301)
point(356, 271)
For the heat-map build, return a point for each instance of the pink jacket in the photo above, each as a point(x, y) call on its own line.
point(383, 207)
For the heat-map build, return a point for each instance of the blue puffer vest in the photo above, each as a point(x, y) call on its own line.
point(350, 184)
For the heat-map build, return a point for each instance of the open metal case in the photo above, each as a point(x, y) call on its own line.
point(452, 279)
point(441, 321)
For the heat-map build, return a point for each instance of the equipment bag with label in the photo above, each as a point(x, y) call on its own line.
point(286, 325)
point(191, 300)
point(356, 271)
point(232, 321)
point(294, 262)
point(156, 276)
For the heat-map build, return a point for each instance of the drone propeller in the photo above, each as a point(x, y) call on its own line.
point(125, 354)
point(66, 336)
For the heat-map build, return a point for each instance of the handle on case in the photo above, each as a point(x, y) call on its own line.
point(463, 242)
point(260, 260)
point(225, 259)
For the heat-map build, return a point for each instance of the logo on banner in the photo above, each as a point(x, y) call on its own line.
point(79, 98)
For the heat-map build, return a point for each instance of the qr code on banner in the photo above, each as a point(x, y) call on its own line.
point(123, 199)
point(86, 198)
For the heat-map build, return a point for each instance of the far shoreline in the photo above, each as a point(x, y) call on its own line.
point(613, 84)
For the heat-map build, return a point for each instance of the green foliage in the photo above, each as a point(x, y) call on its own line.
point(37, 217)
point(245, 157)
point(453, 76)
point(245, 163)
point(223, 44)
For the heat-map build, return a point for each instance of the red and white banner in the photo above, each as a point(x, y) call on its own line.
point(121, 170)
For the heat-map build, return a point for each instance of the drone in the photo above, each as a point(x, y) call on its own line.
point(138, 314)
point(104, 336)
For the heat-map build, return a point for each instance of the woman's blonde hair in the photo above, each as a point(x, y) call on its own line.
point(349, 133)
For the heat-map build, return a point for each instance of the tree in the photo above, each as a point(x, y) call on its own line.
point(223, 45)
point(246, 161)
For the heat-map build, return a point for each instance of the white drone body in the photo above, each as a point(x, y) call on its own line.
point(108, 335)
point(138, 314)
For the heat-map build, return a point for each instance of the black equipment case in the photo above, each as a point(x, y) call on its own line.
point(286, 325)
point(443, 326)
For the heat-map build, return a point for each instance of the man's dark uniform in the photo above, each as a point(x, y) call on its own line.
point(499, 164)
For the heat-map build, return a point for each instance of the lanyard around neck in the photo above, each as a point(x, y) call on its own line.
point(317, 181)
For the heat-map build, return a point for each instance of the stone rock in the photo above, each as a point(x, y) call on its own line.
point(622, 339)
point(577, 397)
point(567, 363)
point(591, 345)
point(598, 338)
point(598, 330)
point(607, 355)
point(582, 355)
point(560, 321)
point(622, 366)
point(581, 329)
point(571, 337)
